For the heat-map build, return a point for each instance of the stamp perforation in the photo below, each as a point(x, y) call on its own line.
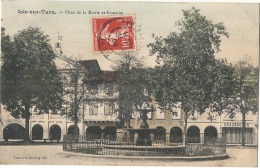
point(108, 51)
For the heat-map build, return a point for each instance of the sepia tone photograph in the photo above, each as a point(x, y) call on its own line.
point(137, 83)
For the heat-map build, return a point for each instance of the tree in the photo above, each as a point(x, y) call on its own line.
point(190, 73)
point(133, 86)
point(76, 80)
point(246, 90)
point(74, 90)
point(29, 75)
point(243, 95)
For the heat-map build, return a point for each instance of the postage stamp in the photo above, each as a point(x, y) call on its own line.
point(113, 33)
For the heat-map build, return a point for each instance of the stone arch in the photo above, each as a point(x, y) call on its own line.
point(55, 132)
point(160, 133)
point(93, 132)
point(193, 134)
point(73, 130)
point(110, 132)
point(14, 131)
point(210, 132)
point(176, 135)
point(37, 132)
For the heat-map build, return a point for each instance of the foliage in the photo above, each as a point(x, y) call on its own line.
point(199, 150)
point(29, 75)
point(189, 73)
point(245, 90)
point(247, 79)
point(133, 85)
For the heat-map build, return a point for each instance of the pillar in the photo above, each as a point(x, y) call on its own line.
point(152, 136)
point(135, 137)
point(102, 134)
point(167, 138)
point(119, 134)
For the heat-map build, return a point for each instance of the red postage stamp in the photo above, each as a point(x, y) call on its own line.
point(113, 33)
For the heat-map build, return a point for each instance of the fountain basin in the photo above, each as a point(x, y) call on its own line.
point(144, 135)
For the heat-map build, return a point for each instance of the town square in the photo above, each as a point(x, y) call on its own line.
point(121, 85)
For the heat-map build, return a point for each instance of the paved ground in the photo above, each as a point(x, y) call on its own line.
point(53, 155)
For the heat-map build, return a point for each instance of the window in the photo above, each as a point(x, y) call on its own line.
point(93, 108)
point(109, 89)
point(73, 80)
point(175, 109)
point(66, 81)
point(93, 89)
point(147, 105)
point(109, 108)
point(160, 112)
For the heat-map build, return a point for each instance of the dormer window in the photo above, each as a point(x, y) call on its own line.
point(108, 89)
point(93, 89)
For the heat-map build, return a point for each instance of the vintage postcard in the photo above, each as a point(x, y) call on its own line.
point(111, 83)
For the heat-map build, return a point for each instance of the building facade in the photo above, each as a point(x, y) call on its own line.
point(98, 115)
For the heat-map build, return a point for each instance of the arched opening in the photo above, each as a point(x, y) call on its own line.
point(160, 134)
point(93, 132)
point(110, 132)
point(14, 131)
point(176, 135)
point(55, 132)
point(210, 133)
point(144, 138)
point(128, 135)
point(37, 132)
point(193, 134)
point(73, 131)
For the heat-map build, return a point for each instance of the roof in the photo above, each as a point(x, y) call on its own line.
point(87, 64)
point(99, 76)
point(105, 76)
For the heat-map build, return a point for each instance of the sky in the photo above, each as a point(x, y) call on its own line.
point(241, 21)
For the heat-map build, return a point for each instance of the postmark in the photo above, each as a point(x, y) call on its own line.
point(113, 33)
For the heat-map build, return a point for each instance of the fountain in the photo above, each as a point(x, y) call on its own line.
point(143, 134)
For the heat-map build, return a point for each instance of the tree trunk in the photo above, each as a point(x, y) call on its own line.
point(127, 117)
point(185, 128)
point(243, 127)
point(76, 102)
point(27, 123)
